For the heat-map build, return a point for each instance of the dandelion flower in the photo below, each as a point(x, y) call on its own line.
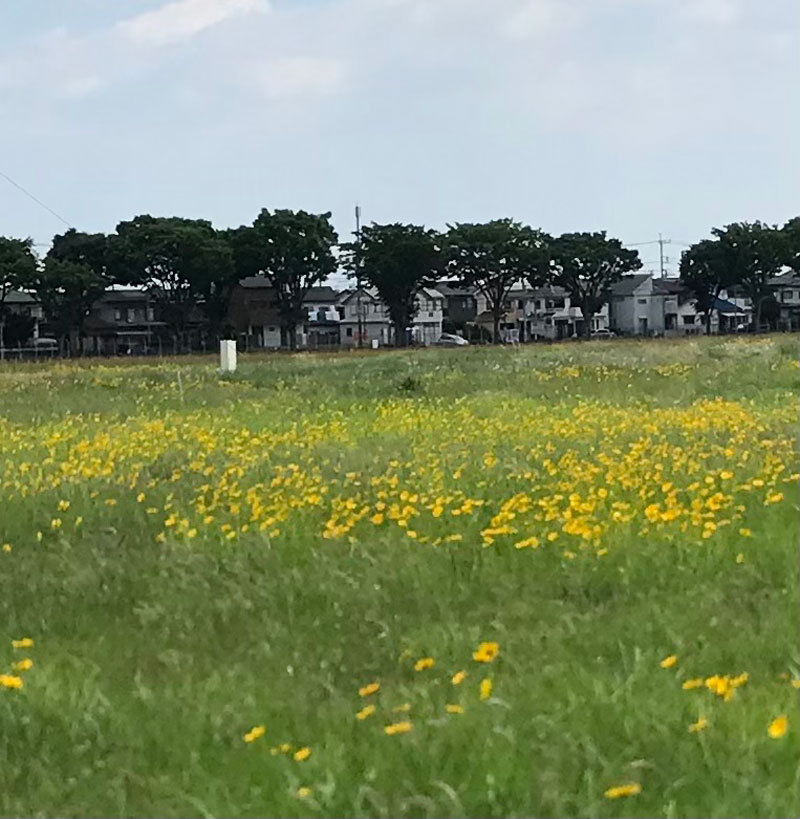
point(486, 652)
point(485, 689)
point(458, 677)
point(778, 727)
point(369, 689)
point(23, 665)
point(25, 642)
point(301, 754)
point(454, 709)
point(365, 712)
point(303, 793)
point(688, 685)
point(255, 733)
point(670, 661)
point(398, 728)
point(10, 681)
point(423, 663)
point(6, 547)
point(630, 789)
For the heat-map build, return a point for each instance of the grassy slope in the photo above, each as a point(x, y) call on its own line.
point(153, 658)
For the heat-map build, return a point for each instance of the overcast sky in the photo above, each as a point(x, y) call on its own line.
point(635, 116)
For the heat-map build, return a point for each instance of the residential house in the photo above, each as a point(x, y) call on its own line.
point(253, 314)
point(321, 328)
point(551, 316)
point(20, 303)
point(786, 289)
point(374, 324)
point(124, 320)
point(637, 306)
point(460, 305)
point(427, 325)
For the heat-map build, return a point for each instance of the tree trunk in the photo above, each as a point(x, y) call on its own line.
point(291, 331)
point(587, 322)
point(496, 326)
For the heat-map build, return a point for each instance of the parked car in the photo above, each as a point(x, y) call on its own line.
point(602, 334)
point(451, 340)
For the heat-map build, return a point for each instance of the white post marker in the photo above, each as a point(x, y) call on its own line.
point(227, 356)
point(375, 343)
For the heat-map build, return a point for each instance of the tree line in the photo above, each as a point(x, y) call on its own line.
point(188, 265)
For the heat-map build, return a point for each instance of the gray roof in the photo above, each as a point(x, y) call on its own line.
point(785, 280)
point(20, 297)
point(454, 289)
point(628, 285)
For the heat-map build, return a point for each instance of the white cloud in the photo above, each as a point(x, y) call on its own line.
point(293, 76)
point(183, 19)
point(534, 18)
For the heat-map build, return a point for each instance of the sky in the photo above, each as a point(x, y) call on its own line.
point(638, 117)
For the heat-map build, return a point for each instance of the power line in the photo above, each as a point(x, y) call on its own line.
point(38, 201)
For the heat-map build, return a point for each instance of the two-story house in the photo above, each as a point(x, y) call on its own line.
point(786, 290)
point(374, 320)
point(124, 320)
point(427, 325)
point(20, 303)
point(636, 306)
point(551, 316)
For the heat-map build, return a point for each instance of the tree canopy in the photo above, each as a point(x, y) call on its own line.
point(753, 253)
point(586, 265)
point(397, 260)
point(178, 260)
point(293, 250)
point(705, 271)
point(493, 257)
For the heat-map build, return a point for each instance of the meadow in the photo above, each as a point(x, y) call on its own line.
point(544, 581)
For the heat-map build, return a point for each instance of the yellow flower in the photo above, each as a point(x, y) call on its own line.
point(454, 709)
point(369, 689)
point(63, 505)
point(366, 711)
point(458, 677)
point(796, 683)
point(140, 497)
point(303, 793)
point(740, 680)
point(745, 532)
point(402, 709)
point(486, 652)
point(698, 726)
point(740, 558)
point(25, 642)
point(778, 726)
point(10, 681)
point(697, 682)
point(670, 661)
point(23, 665)
point(284, 748)
point(423, 663)
point(6, 547)
point(623, 790)
point(398, 728)
point(301, 754)
point(485, 689)
point(254, 733)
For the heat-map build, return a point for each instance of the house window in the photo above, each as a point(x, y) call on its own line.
point(430, 314)
point(349, 332)
point(118, 315)
point(787, 295)
point(131, 315)
point(641, 301)
point(520, 304)
point(150, 314)
point(688, 319)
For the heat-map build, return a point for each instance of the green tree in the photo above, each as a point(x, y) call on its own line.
point(180, 261)
point(17, 329)
point(791, 240)
point(293, 250)
point(493, 257)
point(705, 272)
point(397, 260)
point(753, 253)
point(586, 265)
point(17, 272)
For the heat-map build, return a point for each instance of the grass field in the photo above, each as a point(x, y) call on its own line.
point(196, 557)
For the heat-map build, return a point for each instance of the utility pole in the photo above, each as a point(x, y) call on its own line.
point(358, 279)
